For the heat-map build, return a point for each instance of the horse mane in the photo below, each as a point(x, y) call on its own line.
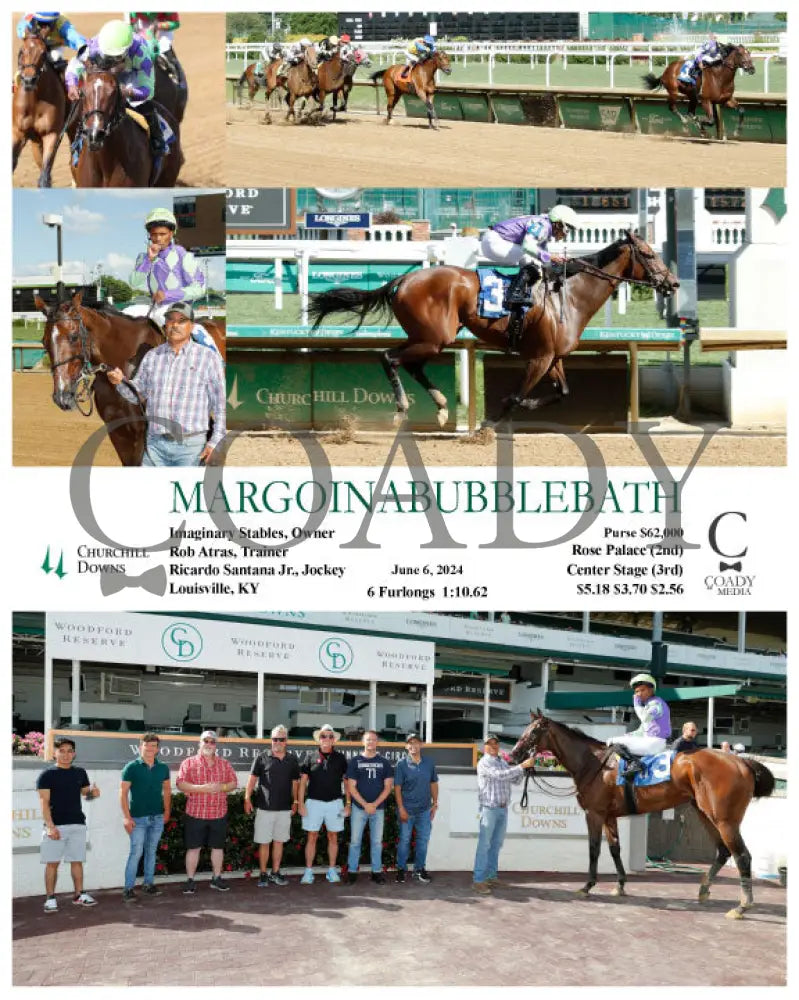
point(598, 259)
point(575, 731)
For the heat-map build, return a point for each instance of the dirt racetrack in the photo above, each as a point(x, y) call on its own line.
point(359, 150)
point(44, 435)
point(200, 45)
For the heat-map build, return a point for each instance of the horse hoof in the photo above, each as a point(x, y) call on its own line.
point(736, 914)
point(399, 418)
point(619, 891)
point(582, 892)
point(442, 416)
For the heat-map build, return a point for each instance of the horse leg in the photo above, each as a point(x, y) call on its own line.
point(535, 371)
point(731, 835)
point(392, 96)
point(732, 103)
point(559, 379)
point(722, 855)
point(390, 364)
point(612, 837)
point(18, 142)
point(432, 117)
point(48, 155)
point(413, 359)
point(594, 822)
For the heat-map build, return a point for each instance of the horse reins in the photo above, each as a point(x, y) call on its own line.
point(597, 272)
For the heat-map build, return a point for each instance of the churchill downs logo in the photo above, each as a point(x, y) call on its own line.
point(336, 655)
point(725, 538)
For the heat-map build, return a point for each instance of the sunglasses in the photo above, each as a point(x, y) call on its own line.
point(209, 741)
point(328, 737)
point(278, 739)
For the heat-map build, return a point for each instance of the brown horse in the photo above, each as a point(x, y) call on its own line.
point(719, 785)
point(301, 81)
point(171, 88)
point(109, 148)
point(38, 108)
point(716, 88)
point(83, 344)
point(270, 80)
point(335, 77)
point(420, 81)
point(432, 304)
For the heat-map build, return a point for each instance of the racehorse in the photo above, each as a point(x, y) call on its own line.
point(421, 80)
point(335, 77)
point(270, 80)
point(171, 88)
point(301, 81)
point(83, 344)
point(109, 148)
point(432, 304)
point(38, 109)
point(718, 785)
point(716, 87)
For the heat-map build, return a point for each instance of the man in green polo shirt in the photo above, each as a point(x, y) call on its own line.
point(145, 796)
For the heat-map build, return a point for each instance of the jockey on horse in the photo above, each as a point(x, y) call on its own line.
point(328, 47)
point(55, 31)
point(419, 50)
point(524, 240)
point(158, 29)
point(293, 54)
point(708, 54)
point(270, 52)
point(654, 731)
point(116, 44)
point(168, 273)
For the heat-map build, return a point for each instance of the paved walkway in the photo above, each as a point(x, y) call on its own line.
point(531, 930)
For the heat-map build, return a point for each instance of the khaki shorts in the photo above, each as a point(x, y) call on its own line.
point(71, 846)
point(271, 826)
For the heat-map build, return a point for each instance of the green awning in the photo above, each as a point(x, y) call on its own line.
point(623, 698)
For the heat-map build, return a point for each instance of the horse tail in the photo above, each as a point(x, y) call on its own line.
point(377, 75)
point(652, 82)
point(352, 300)
point(242, 79)
point(764, 778)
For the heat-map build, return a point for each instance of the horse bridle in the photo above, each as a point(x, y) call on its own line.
point(636, 254)
point(85, 378)
point(109, 119)
point(538, 781)
point(29, 82)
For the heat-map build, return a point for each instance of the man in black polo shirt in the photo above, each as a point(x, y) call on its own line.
point(322, 784)
point(64, 837)
point(687, 741)
point(277, 775)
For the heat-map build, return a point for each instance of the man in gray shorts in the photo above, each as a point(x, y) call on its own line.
point(277, 776)
point(64, 836)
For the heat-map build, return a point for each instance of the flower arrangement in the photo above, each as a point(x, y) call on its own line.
point(29, 745)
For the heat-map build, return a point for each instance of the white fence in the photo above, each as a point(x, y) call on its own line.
point(607, 53)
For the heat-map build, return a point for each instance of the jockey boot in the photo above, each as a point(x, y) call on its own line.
point(406, 72)
point(158, 148)
point(516, 298)
point(634, 763)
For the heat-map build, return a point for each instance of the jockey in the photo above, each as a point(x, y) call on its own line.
point(293, 54)
point(328, 47)
point(419, 50)
point(346, 45)
point(270, 52)
point(524, 241)
point(708, 54)
point(55, 31)
point(655, 729)
point(117, 45)
point(158, 29)
point(165, 270)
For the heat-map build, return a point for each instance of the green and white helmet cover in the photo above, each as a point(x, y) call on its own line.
point(162, 216)
point(564, 214)
point(643, 679)
point(114, 38)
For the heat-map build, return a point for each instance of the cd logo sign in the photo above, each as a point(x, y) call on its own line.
point(181, 642)
point(336, 656)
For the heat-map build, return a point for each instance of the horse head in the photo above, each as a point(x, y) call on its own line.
point(311, 60)
point(68, 345)
point(32, 60)
point(359, 57)
point(532, 739)
point(441, 61)
point(646, 266)
point(102, 104)
point(741, 58)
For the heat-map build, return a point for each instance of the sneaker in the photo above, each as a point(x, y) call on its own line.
point(51, 905)
point(352, 878)
point(278, 878)
point(84, 899)
point(128, 896)
point(423, 876)
point(149, 889)
point(482, 887)
point(332, 875)
point(263, 880)
point(379, 878)
point(307, 877)
point(189, 887)
point(400, 876)
point(218, 883)
point(494, 880)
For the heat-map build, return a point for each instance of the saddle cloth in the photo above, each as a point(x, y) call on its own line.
point(491, 297)
point(684, 76)
point(656, 769)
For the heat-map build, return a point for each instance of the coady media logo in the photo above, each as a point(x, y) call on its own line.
point(726, 538)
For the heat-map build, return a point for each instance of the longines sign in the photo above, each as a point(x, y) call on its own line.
point(197, 643)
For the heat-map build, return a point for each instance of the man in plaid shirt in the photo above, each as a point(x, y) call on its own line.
point(494, 778)
point(206, 780)
point(182, 383)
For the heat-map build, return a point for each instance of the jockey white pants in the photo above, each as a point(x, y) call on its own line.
point(641, 745)
point(502, 251)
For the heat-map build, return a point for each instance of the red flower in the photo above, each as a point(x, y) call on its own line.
point(248, 874)
point(228, 868)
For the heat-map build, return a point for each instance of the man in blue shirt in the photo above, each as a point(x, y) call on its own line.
point(370, 777)
point(416, 792)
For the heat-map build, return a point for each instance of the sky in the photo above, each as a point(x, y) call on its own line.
point(100, 227)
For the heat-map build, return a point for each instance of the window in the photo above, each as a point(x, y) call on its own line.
point(194, 712)
point(247, 713)
point(220, 706)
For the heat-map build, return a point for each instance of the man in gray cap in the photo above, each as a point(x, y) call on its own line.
point(322, 784)
point(183, 385)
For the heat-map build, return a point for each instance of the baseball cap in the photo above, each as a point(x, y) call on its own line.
point(183, 308)
point(490, 736)
point(209, 734)
point(413, 736)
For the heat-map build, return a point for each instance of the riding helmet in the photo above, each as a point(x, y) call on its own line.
point(345, 39)
point(565, 215)
point(115, 38)
point(429, 40)
point(162, 217)
point(334, 40)
point(643, 679)
point(305, 42)
point(47, 16)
